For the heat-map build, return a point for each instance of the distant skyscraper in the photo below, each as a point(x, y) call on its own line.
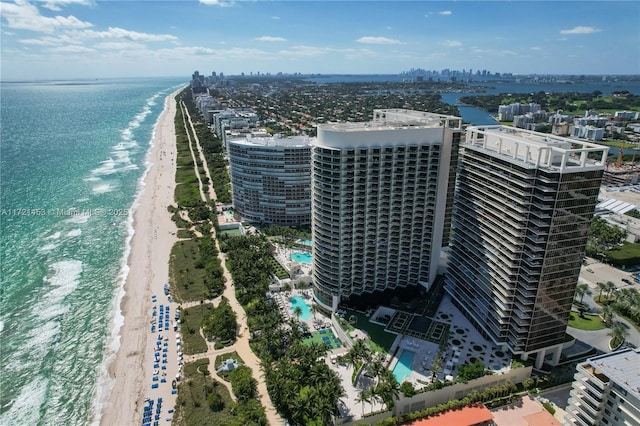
point(379, 205)
point(523, 208)
point(271, 179)
point(606, 390)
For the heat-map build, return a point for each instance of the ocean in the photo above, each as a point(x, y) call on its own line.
point(72, 159)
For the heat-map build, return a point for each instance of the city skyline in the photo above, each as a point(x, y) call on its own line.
point(84, 38)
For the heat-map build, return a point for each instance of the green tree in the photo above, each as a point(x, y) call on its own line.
point(215, 401)
point(618, 334)
point(602, 287)
point(582, 290)
point(243, 384)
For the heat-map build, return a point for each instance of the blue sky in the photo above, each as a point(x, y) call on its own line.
point(87, 38)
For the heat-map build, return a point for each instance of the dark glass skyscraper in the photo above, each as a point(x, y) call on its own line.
point(522, 212)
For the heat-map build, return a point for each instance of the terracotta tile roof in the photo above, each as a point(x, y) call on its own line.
point(541, 418)
point(467, 416)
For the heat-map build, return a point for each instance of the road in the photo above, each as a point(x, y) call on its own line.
point(592, 273)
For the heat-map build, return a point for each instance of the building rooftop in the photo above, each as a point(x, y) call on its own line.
point(275, 140)
point(622, 367)
point(391, 119)
point(535, 149)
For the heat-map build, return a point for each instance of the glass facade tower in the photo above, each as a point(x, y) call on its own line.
point(522, 213)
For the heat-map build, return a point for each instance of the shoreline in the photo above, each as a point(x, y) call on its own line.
point(148, 269)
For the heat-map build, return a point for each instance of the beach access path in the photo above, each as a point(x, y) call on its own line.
point(154, 235)
point(241, 345)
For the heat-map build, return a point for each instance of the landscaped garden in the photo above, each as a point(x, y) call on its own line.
point(586, 322)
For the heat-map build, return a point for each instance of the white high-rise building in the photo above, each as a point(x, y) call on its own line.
point(606, 391)
point(271, 179)
point(381, 205)
point(522, 213)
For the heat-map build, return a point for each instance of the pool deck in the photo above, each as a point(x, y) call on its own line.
point(465, 343)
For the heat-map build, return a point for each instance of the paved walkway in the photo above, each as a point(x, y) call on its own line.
point(241, 346)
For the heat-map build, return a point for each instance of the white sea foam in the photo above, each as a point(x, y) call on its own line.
point(84, 200)
point(77, 219)
point(74, 233)
point(103, 188)
point(64, 281)
point(26, 406)
point(53, 236)
point(48, 247)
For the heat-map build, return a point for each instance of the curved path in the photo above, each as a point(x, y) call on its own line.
point(241, 346)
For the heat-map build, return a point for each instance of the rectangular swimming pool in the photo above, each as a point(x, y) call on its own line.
point(402, 369)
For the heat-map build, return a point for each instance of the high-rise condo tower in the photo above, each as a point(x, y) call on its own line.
point(381, 202)
point(522, 213)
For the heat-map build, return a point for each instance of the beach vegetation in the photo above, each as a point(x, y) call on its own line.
point(194, 270)
point(201, 400)
point(221, 323)
point(243, 384)
point(185, 233)
point(212, 147)
point(192, 320)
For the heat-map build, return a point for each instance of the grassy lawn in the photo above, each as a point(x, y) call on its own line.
point(589, 322)
point(316, 337)
point(280, 272)
point(192, 407)
point(626, 255)
point(191, 321)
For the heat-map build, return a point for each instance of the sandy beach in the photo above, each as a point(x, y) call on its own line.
point(135, 364)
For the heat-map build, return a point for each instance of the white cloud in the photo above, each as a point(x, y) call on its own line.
point(275, 17)
point(537, 48)
point(54, 4)
point(270, 38)
point(119, 45)
point(452, 43)
point(305, 51)
point(120, 34)
point(71, 49)
point(220, 3)
point(445, 12)
point(24, 16)
point(377, 40)
point(581, 30)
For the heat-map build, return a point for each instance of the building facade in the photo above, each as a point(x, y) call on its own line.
point(606, 390)
point(522, 213)
point(271, 179)
point(380, 201)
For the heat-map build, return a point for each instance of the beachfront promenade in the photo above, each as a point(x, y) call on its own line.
point(241, 345)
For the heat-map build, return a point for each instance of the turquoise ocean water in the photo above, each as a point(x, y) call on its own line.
point(72, 157)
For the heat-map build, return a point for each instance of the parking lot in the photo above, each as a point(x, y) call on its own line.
point(594, 272)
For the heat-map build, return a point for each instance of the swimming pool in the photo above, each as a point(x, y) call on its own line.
point(306, 242)
point(299, 301)
point(402, 370)
point(302, 257)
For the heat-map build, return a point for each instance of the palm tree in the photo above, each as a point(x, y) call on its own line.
point(297, 311)
point(607, 313)
point(609, 287)
point(582, 290)
point(618, 334)
point(314, 309)
point(364, 396)
point(602, 287)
